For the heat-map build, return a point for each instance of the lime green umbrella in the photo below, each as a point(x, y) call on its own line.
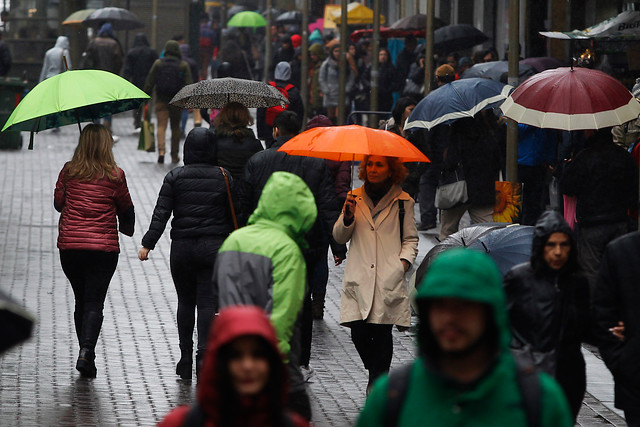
point(73, 97)
point(247, 19)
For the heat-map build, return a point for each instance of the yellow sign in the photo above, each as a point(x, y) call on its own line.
point(329, 11)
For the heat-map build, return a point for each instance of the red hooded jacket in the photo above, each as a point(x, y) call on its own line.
point(234, 322)
point(89, 209)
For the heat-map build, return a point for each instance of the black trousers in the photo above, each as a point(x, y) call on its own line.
point(192, 262)
point(89, 273)
point(533, 182)
point(374, 344)
point(317, 277)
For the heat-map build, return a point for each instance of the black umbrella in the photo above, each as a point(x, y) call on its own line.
point(416, 23)
point(273, 12)
point(508, 246)
point(462, 238)
point(291, 17)
point(234, 10)
point(494, 70)
point(120, 19)
point(15, 323)
point(457, 37)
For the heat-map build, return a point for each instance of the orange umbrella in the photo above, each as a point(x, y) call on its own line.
point(351, 142)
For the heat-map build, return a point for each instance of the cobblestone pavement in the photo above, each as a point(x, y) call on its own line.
point(138, 347)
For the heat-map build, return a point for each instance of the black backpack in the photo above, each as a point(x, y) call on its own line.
point(528, 383)
point(169, 78)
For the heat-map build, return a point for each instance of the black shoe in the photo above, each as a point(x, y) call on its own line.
point(86, 363)
point(161, 159)
point(184, 368)
point(199, 361)
point(425, 227)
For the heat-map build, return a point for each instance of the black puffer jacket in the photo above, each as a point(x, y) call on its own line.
point(604, 178)
point(617, 298)
point(549, 309)
point(235, 150)
point(315, 174)
point(196, 194)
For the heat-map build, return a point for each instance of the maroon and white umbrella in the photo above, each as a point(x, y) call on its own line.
point(570, 98)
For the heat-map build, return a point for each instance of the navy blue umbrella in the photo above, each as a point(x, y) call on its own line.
point(507, 246)
point(455, 100)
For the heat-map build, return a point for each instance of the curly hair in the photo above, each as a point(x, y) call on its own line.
point(396, 167)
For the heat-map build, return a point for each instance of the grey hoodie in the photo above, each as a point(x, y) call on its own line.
point(53, 63)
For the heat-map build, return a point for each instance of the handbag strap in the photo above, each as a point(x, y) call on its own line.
point(233, 211)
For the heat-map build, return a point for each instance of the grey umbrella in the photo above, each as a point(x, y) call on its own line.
point(416, 22)
point(216, 93)
point(120, 19)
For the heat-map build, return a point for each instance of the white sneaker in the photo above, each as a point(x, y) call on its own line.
point(136, 131)
point(307, 373)
point(115, 138)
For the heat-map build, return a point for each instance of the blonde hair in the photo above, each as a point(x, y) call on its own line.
point(93, 158)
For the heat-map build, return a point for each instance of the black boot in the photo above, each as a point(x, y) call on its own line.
point(199, 360)
point(185, 365)
point(77, 320)
point(317, 305)
point(91, 325)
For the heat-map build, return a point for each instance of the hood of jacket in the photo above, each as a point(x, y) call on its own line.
point(172, 48)
point(200, 147)
point(106, 31)
point(141, 40)
point(62, 42)
point(550, 222)
point(234, 322)
point(286, 202)
point(282, 71)
point(465, 274)
point(318, 50)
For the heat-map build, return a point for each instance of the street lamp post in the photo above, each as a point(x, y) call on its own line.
point(512, 126)
point(342, 65)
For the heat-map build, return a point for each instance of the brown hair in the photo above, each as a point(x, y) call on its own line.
point(234, 115)
point(396, 167)
point(93, 158)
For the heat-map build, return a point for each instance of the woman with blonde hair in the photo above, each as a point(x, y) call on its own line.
point(92, 196)
point(378, 219)
point(235, 141)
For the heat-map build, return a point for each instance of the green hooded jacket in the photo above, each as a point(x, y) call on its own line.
point(262, 264)
point(433, 399)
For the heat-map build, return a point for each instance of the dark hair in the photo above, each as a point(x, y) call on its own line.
point(401, 105)
point(455, 55)
point(273, 389)
point(398, 171)
point(287, 122)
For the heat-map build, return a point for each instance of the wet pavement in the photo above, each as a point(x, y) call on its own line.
point(138, 347)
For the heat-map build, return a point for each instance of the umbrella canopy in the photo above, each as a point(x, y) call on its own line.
point(416, 22)
point(234, 10)
point(351, 142)
point(496, 69)
point(542, 63)
point(216, 93)
point(273, 12)
point(77, 17)
point(507, 246)
point(455, 100)
point(290, 17)
point(120, 19)
point(571, 99)
point(621, 27)
point(16, 323)
point(357, 14)
point(247, 19)
point(73, 97)
point(457, 37)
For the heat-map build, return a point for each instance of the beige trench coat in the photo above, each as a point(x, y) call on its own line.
point(374, 287)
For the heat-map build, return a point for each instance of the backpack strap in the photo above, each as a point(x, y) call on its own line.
point(529, 385)
point(195, 417)
point(396, 391)
point(401, 216)
point(288, 87)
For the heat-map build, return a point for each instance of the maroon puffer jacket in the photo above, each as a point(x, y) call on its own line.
point(89, 210)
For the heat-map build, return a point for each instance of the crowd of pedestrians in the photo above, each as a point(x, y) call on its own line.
point(252, 226)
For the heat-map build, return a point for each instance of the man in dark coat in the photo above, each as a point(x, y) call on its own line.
point(5, 57)
point(604, 178)
point(617, 320)
point(405, 58)
point(315, 174)
point(137, 64)
point(548, 304)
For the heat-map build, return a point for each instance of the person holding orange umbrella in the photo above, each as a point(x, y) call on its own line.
point(378, 220)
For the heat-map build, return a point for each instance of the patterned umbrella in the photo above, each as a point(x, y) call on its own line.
point(216, 93)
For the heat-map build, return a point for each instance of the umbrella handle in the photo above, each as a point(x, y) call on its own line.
point(66, 66)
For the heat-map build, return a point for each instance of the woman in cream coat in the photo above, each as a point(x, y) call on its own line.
point(374, 292)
